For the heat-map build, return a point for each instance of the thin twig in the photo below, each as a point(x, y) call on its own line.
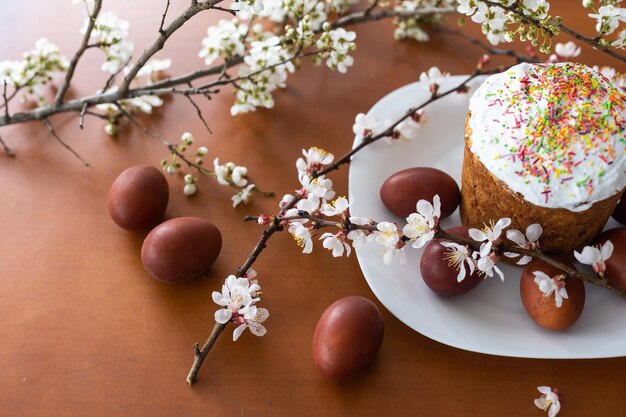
point(7, 150)
point(167, 6)
point(63, 143)
point(198, 111)
point(201, 354)
point(81, 120)
point(6, 100)
point(79, 53)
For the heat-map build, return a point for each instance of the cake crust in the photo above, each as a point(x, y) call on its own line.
point(485, 198)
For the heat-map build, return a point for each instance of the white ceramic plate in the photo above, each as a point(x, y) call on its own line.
point(491, 318)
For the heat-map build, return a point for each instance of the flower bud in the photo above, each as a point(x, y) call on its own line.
point(263, 219)
point(190, 189)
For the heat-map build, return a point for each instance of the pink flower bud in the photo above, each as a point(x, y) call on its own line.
point(483, 61)
point(263, 219)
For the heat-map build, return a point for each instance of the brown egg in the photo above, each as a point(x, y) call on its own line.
point(401, 191)
point(619, 213)
point(616, 264)
point(542, 309)
point(181, 249)
point(138, 198)
point(347, 337)
point(439, 274)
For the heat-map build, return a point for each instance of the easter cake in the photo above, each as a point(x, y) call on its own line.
point(545, 143)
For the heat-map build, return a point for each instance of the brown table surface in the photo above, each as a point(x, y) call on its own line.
point(84, 331)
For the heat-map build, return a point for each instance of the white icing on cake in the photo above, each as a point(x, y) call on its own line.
point(555, 133)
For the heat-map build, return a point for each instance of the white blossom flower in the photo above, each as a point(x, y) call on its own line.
point(359, 236)
point(608, 18)
point(596, 256)
point(490, 235)
point(321, 187)
point(243, 196)
point(236, 294)
point(366, 125)
point(248, 8)
point(433, 78)
point(548, 285)
point(587, 3)
point(536, 8)
point(144, 103)
point(302, 236)
point(457, 256)
point(494, 25)
point(314, 160)
point(620, 42)
point(567, 50)
point(339, 207)
point(224, 40)
point(482, 10)
point(530, 241)
point(110, 32)
point(154, 66)
point(486, 263)
point(408, 129)
point(389, 238)
point(394, 254)
point(251, 318)
point(466, 7)
point(310, 204)
point(273, 10)
point(239, 176)
point(421, 226)
point(336, 243)
point(387, 234)
point(549, 401)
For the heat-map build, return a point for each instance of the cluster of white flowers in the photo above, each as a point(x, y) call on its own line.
point(267, 57)
point(109, 34)
point(237, 176)
point(238, 301)
point(35, 70)
point(335, 45)
point(366, 126)
point(409, 24)
point(266, 68)
point(225, 40)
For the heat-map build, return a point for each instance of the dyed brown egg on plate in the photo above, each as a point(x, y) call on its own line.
point(543, 308)
point(402, 190)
